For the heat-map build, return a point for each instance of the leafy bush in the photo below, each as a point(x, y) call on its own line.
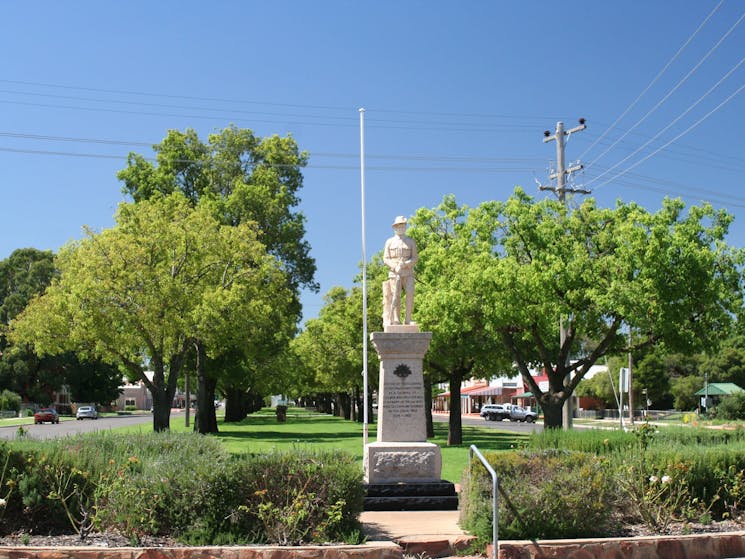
point(732, 407)
point(665, 476)
point(10, 401)
point(184, 485)
point(543, 494)
point(303, 496)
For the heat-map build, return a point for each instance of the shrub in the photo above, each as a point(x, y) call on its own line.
point(543, 494)
point(301, 497)
point(199, 494)
point(44, 490)
point(732, 407)
point(158, 483)
point(10, 401)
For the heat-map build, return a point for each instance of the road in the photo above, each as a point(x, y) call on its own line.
point(501, 425)
point(67, 427)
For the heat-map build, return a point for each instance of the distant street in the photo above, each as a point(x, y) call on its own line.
point(67, 427)
point(501, 425)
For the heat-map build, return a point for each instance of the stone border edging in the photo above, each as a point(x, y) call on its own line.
point(379, 550)
point(694, 546)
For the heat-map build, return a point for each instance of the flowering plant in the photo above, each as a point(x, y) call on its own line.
point(659, 497)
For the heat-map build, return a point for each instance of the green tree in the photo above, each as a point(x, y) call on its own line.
point(684, 390)
point(450, 302)
point(653, 374)
point(10, 401)
point(525, 264)
point(247, 179)
point(330, 347)
point(143, 292)
point(727, 364)
point(24, 275)
point(601, 388)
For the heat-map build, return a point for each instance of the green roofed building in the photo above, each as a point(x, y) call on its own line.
point(720, 389)
point(715, 392)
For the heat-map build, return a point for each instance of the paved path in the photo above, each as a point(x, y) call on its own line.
point(394, 525)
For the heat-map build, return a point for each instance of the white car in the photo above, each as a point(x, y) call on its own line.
point(495, 412)
point(86, 412)
point(521, 414)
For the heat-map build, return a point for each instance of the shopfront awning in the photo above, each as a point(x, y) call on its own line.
point(487, 391)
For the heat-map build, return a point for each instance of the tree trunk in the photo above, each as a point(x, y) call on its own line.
point(162, 391)
point(357, 403)
point(428, 406)
point(342, 405)
point(161, 410)
point(205, 420)
point(552, 414)
point(326, 404)
point(235, 410)
point(455, 423)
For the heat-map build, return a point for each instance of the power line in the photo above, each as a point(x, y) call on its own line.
point(175, 96)
point(674, 89)
point(694, 125)
point(488, 170)
point(695, 150)
point(657, 77)
point(164, 105)
point(413, 125)
point(685, 153)
point(445, 158)
point(673, 122)
point(344, 109)
point(718, 161)
point(24, 136)
point(666, 187)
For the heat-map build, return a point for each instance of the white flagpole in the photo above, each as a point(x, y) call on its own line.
point(365, 420)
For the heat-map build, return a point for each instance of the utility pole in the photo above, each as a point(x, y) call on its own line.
point(631, 376)
point(562, 172)
point(560, 190)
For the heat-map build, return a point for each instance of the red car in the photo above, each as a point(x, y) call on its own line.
point(46, 415)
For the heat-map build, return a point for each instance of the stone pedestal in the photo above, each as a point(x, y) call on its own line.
point(402, 463)
point(401, 452)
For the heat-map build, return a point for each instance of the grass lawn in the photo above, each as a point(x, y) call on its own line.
point(260, 432)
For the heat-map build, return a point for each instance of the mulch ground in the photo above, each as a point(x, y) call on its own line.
point(112, 539)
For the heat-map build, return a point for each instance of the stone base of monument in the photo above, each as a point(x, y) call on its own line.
point(394, 462)
point(436, 495)
point(406, 476)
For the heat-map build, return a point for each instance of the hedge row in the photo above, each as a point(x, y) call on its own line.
point(615, 478)
point(182, 485)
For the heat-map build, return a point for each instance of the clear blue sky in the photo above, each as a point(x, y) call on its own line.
point(457, 96)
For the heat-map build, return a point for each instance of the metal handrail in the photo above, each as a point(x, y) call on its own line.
point(495, 486)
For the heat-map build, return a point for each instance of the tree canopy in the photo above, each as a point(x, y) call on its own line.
point(245, 179)
point(250, 179)
point(143, 292)
point(462, 345)
point(668, 274)
point(330, 347)
point(25, 274)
